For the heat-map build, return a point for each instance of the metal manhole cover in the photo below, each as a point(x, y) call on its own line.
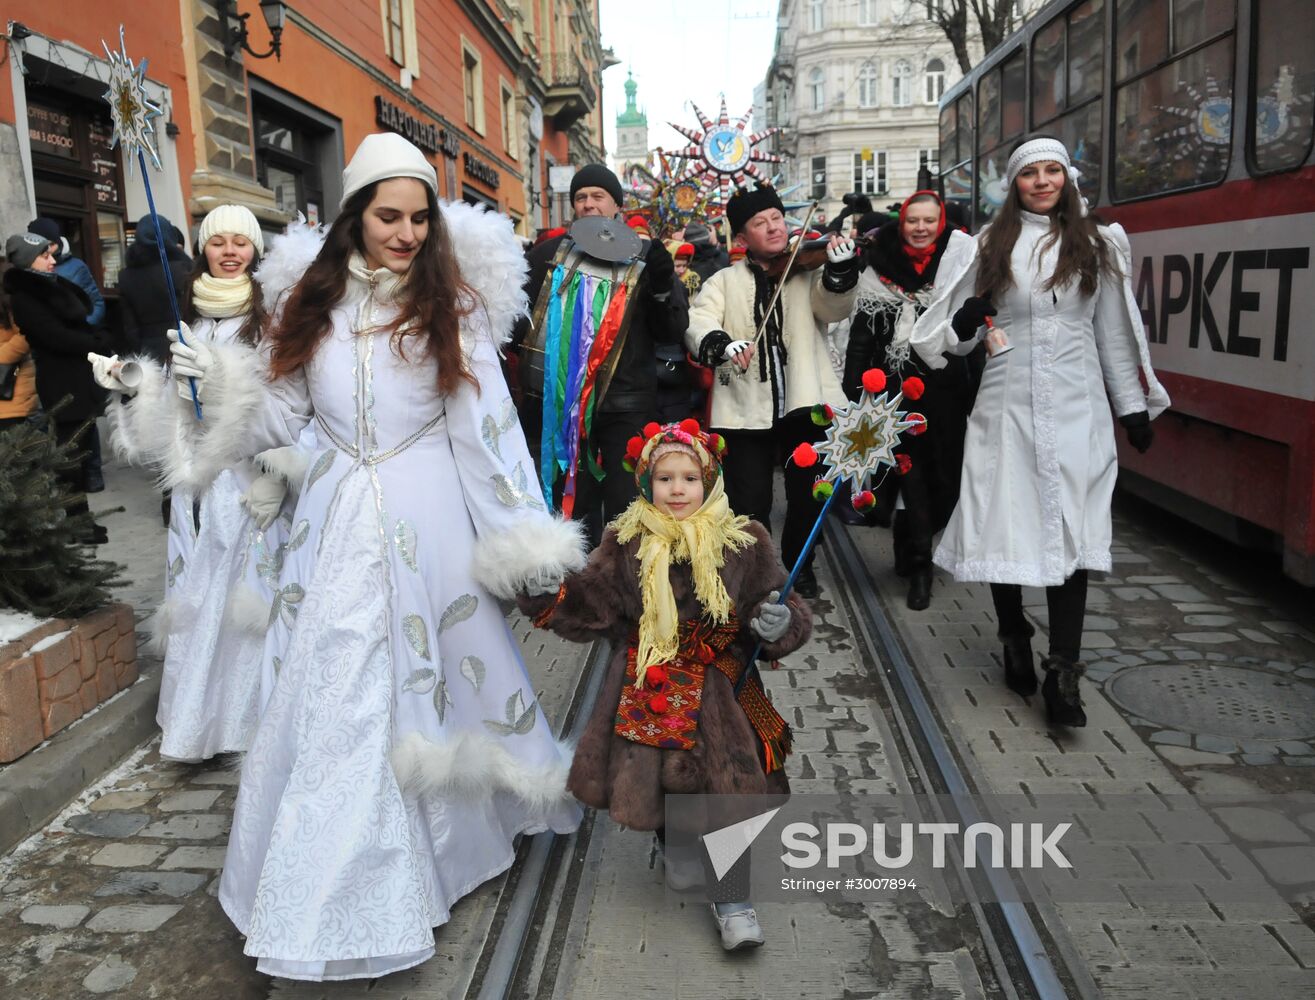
point(1225, 701)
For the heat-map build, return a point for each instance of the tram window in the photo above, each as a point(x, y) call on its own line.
point(1013, 96)
point(1196, 20)
point(949, 136)
point(1282, 85)
point(964, 106)
point(1086, 51)
point(992, 187)
point(1141, 36)
point(1080, 132)
point(1172, 127)
point(959, 188)
point(1048, 72)
point(988, 103)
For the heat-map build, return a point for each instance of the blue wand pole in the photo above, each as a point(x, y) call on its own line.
point(168, 274)
point(752, 665)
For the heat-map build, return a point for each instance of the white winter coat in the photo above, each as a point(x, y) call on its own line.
point(726, 302)
point(1039, 456)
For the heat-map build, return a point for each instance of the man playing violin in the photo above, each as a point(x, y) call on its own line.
point(772, 367)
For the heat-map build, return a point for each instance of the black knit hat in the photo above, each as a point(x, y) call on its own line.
point(597, 175)
point(745, 204)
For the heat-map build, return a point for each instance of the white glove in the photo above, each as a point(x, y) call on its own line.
point(734, 349)
point(544, 582)
point(106, 373)
point(840, 252)
point(773, 619)
point(264, 498)
point(190, 360)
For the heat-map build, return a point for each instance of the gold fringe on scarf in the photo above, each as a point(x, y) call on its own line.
point(702, 539)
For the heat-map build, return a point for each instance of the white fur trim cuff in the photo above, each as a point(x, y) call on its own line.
point(290, 464)
point(474, 766)
point(505, 561)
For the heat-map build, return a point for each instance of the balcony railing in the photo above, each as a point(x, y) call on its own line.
point(571, 90)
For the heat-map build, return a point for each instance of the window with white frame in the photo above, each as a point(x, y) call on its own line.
point(472, 82)
point(867, 12)
point(817, 178)
point(934, 81)
point(817, 88)
point(399, 28)
point(816, 15)
point(508, 118)
point(870, 174)
point(931, 159)
point(868, 85)
point(901, 84)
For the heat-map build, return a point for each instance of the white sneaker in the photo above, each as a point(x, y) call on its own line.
point(682, 876)
point(739, 929)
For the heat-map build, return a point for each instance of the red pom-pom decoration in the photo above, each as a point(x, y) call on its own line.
point(651, 428)
point(822, 414)
point(822, 489)
point(805, 455)
point(874, 380)
point(655, 676)
point(634, 446)
point(717, 443)
point(689, 425)
point(913, 387)
point(903, 463)
point(864, 500)
point(659, 705)
point(919, 424)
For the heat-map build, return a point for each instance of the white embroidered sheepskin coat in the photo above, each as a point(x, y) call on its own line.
point(1039, 457)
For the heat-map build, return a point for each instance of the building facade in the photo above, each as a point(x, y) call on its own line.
point(855, 86)
point(496, 92)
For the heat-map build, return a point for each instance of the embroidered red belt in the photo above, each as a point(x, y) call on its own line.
point(665, 712)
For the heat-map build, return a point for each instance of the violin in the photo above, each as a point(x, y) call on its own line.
point(810, 256)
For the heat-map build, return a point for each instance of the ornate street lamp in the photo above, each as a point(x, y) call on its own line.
point(234, 27)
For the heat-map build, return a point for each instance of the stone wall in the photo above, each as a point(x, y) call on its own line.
point(61, 670)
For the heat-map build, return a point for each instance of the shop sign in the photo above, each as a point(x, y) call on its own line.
point(481, 171)
point(51, 132)
point(427, 136)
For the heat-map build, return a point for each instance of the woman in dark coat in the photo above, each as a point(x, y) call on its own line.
point(894, 288)
point(143, 293)
point(51, 313)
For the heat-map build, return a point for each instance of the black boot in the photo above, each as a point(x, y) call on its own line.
point(1020, 665)
point(1060, 690)
point(805, 584)
point(919, 589)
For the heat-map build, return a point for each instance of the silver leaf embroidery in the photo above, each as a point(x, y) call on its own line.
point(420, 681)
point(404, 537)
point(417, 635)
point(175, 568)
point(285, 604)
point(457, 612)
point(472, 669)
point(515, 491)
point(442, 700)
point(320, 467)
point(492, 430)
point(278, 666)
point(521, 481)
point(519, 719)
point(298, 537)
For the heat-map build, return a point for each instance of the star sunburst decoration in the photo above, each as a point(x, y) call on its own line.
point(862, 438)
point(131, 111)
point(721, 156)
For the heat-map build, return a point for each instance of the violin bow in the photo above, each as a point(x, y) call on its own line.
point(776, 292)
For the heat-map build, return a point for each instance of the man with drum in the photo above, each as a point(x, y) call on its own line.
point(772, 366)
point(657, 313)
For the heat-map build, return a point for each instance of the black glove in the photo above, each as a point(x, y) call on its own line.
point(971, 315)
point(1139, 430)
point(660, 269)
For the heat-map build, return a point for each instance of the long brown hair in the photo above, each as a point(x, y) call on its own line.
point(251, 328)
point(1083, 254)
point(433, 297)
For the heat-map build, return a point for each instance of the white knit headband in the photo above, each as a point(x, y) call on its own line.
point(1042, 151)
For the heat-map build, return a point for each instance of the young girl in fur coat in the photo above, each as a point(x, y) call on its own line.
point(684, 588)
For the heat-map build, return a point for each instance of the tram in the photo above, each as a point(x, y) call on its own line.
point(1192, 122)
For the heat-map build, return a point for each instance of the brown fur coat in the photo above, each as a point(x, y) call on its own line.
point(629, 779)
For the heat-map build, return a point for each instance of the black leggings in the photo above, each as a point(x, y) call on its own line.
point(1067, 604)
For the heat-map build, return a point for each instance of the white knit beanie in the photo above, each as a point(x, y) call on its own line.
point(235, 220)
point(383, 156)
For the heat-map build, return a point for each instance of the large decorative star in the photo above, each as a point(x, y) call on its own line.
point(131, 111)
point(721, 156)
point(862, 438)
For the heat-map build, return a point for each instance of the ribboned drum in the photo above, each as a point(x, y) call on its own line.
point(579, 327)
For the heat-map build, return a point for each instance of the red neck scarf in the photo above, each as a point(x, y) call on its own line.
point(921, 257)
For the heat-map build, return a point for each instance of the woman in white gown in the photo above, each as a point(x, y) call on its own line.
point(218, 587)
point(403, 747)
point(1039, 457)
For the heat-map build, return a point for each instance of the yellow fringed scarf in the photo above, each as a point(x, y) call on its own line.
point(220, 298)
point(702, 539)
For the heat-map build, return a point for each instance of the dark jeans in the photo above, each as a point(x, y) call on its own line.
point(74, 475)
point(597, 503)
point(752, 458)
point(1067, 604)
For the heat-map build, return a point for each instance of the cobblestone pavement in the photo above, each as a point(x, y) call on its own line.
point(1199, 683)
